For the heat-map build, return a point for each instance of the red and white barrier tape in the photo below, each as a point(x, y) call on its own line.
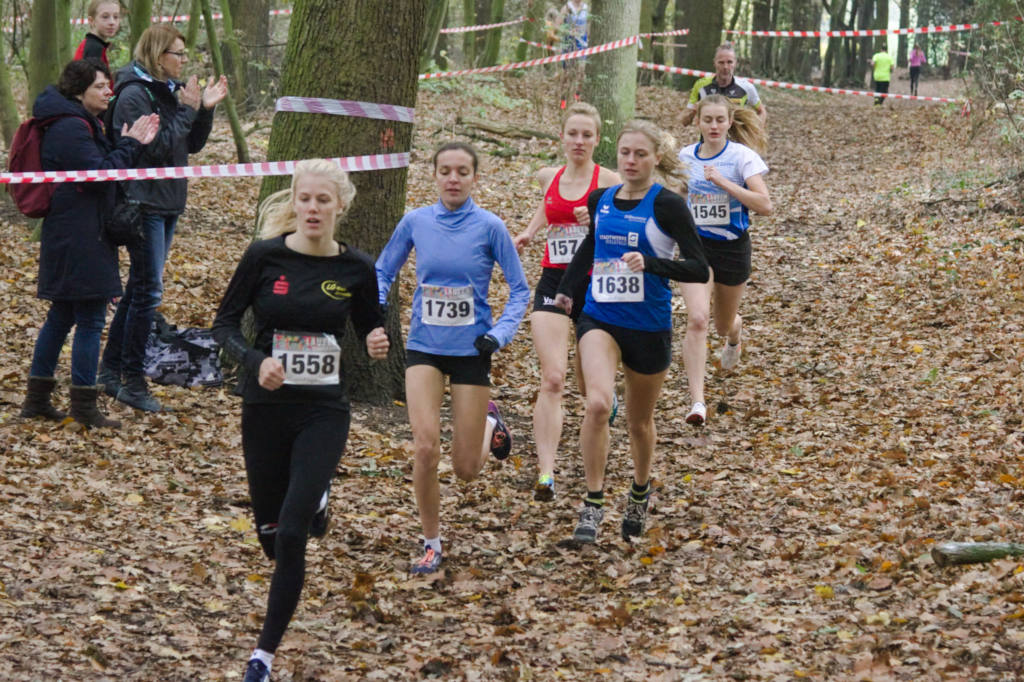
point(668, 44)
point(950, 28)
point(343, 107)
point(677, 32)
point(178, 18)
point(796, 86)
point(238, 170)
point(482, 27)
point(542, 46)
point(614, 45)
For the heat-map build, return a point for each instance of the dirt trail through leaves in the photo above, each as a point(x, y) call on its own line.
point(876, 410)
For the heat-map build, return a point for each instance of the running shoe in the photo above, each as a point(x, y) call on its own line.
point(730, 355)
point(698, 414)
point(256, 671)
point(501, 439)
point(430, 562)
point(590, 519)
point(321, 519)
point(634, 518)
point(544, 490)
point(615, 409)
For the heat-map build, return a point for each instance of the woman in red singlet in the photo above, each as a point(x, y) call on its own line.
point(564, 214)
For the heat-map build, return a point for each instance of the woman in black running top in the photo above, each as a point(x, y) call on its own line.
point(302, 286)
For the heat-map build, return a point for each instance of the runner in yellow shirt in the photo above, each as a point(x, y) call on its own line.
point(881, 62)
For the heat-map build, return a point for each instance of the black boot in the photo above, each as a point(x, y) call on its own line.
point(84, 410)
point(135, 392)
point(109, 380)
point(37, 399)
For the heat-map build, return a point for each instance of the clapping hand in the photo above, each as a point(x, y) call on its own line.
point(216, 91)
point(190, 94)
point(144, 129)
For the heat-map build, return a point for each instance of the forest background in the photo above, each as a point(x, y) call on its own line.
point(876, 413)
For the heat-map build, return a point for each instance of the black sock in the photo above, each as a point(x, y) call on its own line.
point(640, 493)
point(594, 499)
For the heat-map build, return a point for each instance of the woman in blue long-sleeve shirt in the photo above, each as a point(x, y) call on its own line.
point(452, 331)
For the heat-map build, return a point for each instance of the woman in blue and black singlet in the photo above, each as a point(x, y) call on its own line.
point(726, 183)
point(627, 313)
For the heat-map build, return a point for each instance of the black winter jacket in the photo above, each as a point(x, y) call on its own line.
point(75, 262)
point(183, 131)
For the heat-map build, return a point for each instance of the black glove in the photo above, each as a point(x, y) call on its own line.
point(486, 344)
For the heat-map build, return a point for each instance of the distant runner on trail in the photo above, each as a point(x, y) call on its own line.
point(452, 332)
point(740, 91)
point(302, 286)
point(881, 74)
point(627, 312)
point(726, 182)
point(563, 213)
point(916, 61)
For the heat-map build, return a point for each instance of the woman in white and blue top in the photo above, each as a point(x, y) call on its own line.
point(726, 183)
point(452, 332)
point(627, 314)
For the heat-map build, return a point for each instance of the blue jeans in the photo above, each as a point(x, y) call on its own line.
point(126, 340)
point(87, 317)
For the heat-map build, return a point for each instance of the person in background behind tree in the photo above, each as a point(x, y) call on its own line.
point(881, 74)
point(78, 271)
point(916, 61)
point(303, 286)
point(104, 23)
point(739, 91)
point(150, 84)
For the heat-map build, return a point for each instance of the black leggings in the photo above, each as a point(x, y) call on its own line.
point(291, 451)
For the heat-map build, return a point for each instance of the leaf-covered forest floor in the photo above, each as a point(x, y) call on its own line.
point(877, 410)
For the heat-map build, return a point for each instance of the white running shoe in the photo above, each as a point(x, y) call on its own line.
point(730, 355)
point(698, 414)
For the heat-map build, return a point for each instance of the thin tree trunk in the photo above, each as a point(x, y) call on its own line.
point(139, 19)
point(902, 43)
point(241, 147)
point(610, 82)
point(760, 51)
point(62, 19)
point(705, 19)
point(237, 76)
point(8, 109)
point(192, 30)
point(251, 20)
point(317, 64)
point(43, 61)
point(836, 11)
point(532, 29)
point(468, 39)
point(658, 22)
point(492, 38)
point(438, 10)
point(736, 12)
point(646, 54)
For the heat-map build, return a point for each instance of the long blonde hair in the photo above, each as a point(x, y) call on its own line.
point(670, 171)
point(277, 212)
point(152, 44)
point(744, 124)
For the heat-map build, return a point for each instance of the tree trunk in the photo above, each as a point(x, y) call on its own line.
point(737, 11)
point(382, 39)
point(65, 50)
point(760, 52)
point(532, 29)
point(251, 19)
point(192, 30)
point(802, 53)
point(902, 43)
point(865, 44)
point(492, 38)
point(705, 19)
point(658, 22)
point(835, 45)
point(232, 61)
point(241, 147)
point(948, 553)
point(436, 13)
point(468, 38)
point(44, 59)
point(139, 20)
point(8, 109)
point(610, 82)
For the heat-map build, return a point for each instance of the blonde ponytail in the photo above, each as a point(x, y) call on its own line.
point(745, 125)
point(670, 171)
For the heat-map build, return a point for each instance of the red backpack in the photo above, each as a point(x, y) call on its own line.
point(32, 199)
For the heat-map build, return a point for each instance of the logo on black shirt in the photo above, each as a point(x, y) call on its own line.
point(334, 290)
point(281, 286)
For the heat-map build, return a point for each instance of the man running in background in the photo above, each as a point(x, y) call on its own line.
point(881, 62)
point(724, 82)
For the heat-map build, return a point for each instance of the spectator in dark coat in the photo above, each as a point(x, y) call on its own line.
point(77, 268)
point(149, 84)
